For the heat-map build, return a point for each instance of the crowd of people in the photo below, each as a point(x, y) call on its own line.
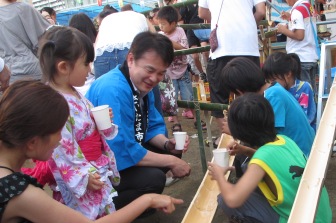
point(65, 71)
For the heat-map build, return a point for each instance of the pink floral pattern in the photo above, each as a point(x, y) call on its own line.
point(71, 170)
point(66, 172)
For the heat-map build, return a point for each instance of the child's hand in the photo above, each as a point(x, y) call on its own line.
point(163, 202)
point(111, 114)
point(217, 172)
point(281, 28)
point(233, 148)
point(285, 15)
point(94, 182)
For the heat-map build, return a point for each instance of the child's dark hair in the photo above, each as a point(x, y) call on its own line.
point(63, 43)
point(242, 75)
point(30, 108)
point(109, 8)
point(49, 10)
point(147, 41)
point(279, 64)
point(251, 120)
point(297, 71)
point(151, 14)
point(168, 13)
point(105, 13)
point(83, 23)
point(127, 7)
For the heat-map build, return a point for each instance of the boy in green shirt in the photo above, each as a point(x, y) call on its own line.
point(276, 167)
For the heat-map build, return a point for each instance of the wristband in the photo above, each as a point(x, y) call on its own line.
point(165, 145)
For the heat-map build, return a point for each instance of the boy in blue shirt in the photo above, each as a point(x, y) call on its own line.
point(242, 76)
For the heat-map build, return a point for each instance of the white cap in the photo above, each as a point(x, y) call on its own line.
point(2, 64)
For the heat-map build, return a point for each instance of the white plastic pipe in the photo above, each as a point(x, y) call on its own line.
point(307, 197)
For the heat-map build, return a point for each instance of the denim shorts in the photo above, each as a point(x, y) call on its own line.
point(184, 86)
point(309, 71)
point(202, 34)
point(108, 61)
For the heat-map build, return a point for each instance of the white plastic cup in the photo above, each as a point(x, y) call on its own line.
point(102, 117)
point(221, 157)
point(180, 138)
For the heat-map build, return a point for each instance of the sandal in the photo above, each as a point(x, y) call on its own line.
point(176, 127)
point(202, 123)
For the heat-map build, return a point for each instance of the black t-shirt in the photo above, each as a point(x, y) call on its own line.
point(13, 185)
point(189, 14)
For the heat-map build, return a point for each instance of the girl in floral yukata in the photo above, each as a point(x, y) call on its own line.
point(83, 166)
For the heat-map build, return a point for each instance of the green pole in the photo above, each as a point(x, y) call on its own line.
point(191, 26)
point(199, 131)
point(177, 5)
point(191, 50)
point(202, 105)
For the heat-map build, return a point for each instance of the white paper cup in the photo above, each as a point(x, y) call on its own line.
point(221, 157)
point(180, 138)
point(102, 117)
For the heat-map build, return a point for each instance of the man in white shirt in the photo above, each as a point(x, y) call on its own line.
point(237, 36)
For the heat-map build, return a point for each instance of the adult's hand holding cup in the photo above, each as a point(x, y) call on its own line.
point(221, 157)
point(101, 115)
point(180, 139)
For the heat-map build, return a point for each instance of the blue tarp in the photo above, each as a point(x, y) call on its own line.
point(92, 11)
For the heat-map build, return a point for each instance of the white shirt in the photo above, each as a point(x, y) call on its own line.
point(237, 32)
point(306, 48)
point(118, 30)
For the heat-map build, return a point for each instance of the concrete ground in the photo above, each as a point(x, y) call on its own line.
point(187, 187)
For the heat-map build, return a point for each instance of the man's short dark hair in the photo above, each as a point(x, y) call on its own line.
point(147, 41)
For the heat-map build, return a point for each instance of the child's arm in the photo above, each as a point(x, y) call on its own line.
point(182, 41)
point(236, 148)
point(296, 34)
point(35, 205)
point(178, 46)
point(234, 195)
